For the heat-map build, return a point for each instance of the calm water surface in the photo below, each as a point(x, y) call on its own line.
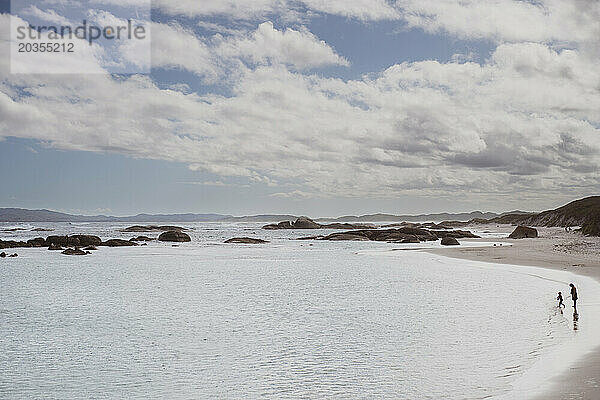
point(288, 319)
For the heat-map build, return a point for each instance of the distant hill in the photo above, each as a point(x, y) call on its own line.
point(584, 213)
point(22, 215)
point(412, 218)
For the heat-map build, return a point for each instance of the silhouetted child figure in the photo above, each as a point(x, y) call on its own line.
point(560, 300)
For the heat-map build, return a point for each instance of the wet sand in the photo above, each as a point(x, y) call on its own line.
point(554, 249)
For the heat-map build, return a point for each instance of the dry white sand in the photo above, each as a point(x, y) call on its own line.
point(555, 249)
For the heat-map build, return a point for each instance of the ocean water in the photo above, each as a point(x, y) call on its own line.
point(289, 319)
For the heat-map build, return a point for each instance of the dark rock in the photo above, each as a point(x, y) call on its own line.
point(457, 234)
point(37, 242)
point(522, 232)
point(142, 239)
point(174, 236)
point(400, 235)
point(75, 252)
point(346, 236)
point(307, 223)
point(13, 255)
point(449, 241)
point(3, 255)
point(87, 240)
point(411, 239)
point(61, 241)
point(281, 225)
point(246, 240)
point(74, 240)
point(153, 228)
point(118, 243)
point(54, 247)
point(11, 244)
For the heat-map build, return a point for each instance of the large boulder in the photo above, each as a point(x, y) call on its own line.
point(73, 240)
point(347, 236)
point(174, 236)
point(449, 241)
point(246, 240)
point(87, 240)
point(118, 243)
point(410, 239)
point(37, 242)
point(522, 232)
point(305, 223)
point(11, 244)
point(281, 225)
point(75, 252)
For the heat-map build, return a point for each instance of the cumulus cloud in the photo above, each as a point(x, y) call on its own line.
point(526, 120)
point(176, 47)
point(46, 15)
point(424, 127)
point(506, 20)
point(571, 21)
point(267, 45)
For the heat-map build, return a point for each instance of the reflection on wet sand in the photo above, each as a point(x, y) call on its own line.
point(575, 320)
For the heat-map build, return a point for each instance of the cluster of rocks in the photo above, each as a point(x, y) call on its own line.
point(90, 241)
point(424, 225)
point(4, 255)
point(400, 235)
point(307, 223)
point(153, 228)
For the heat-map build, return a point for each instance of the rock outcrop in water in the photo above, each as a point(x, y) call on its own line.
point(75, 252)
point(522, 232)
point(400, 235)
point(118, 243)
point(153, 228)
point(307, 223)
point(174, 236)
point(246, 240)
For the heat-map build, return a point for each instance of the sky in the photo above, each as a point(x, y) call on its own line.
point(314, 107)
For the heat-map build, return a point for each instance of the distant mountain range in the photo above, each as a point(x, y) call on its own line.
point(584, 213)
point(24, 215)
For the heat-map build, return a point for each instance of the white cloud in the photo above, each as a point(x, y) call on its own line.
point(267, 45)
point(369, 10)
point(46, 15)
point(176, 47)
point(518, 123)
point(525, 121)
point(506, 20)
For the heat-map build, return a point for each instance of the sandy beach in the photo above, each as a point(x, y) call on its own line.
point(555, 249)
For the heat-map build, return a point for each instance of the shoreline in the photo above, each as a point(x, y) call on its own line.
point(553, 250)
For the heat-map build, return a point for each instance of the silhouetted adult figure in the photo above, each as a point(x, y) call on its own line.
point(574, 296)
